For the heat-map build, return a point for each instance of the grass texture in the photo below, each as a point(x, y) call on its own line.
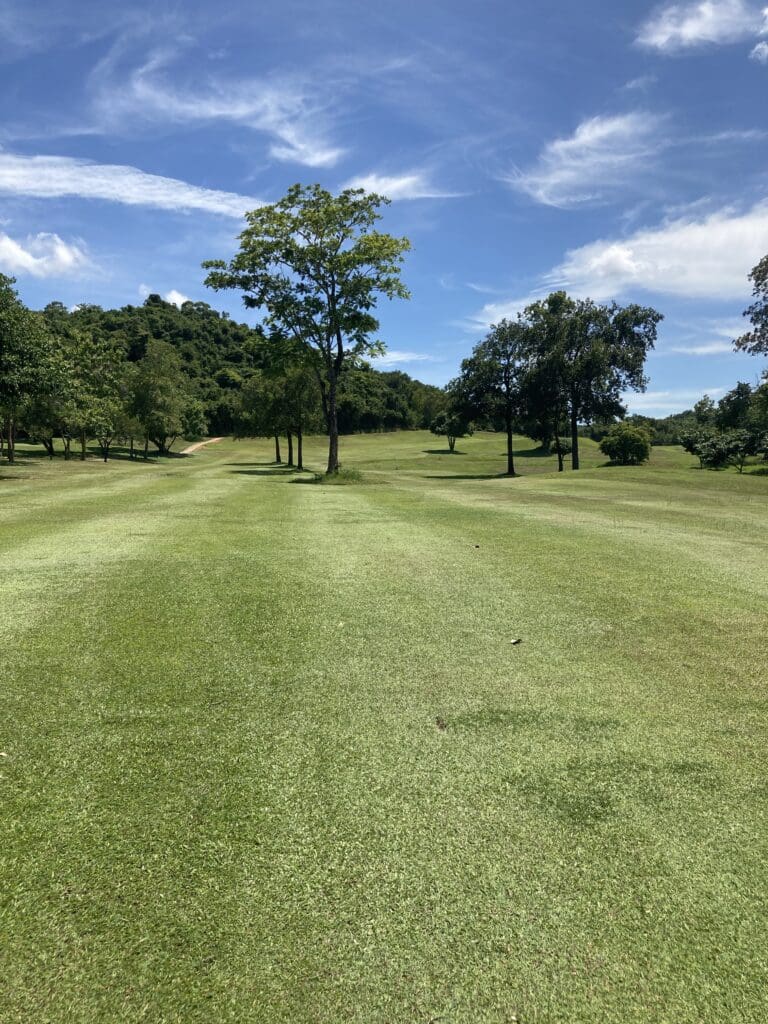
point(270, 751)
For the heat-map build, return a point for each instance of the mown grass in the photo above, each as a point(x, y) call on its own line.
point(272, 755)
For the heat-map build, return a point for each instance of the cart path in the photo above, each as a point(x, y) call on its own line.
point(192, 448)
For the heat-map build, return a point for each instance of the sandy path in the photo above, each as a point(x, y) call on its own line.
point(199, 444)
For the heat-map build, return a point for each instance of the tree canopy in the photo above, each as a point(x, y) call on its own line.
point(316, 265)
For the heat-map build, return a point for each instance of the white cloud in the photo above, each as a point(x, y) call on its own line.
point(705, 258)
point(760, 53)
point(640, 84)
point(41, 255)
point(289, 110)
point(412, 185)
point(394, 356)
point(51, 177)
point(707, 348)
point(664, 403)
point(603, 153)
point(174, 296)
point(685, 26)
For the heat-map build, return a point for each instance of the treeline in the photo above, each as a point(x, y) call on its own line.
point(146, 375)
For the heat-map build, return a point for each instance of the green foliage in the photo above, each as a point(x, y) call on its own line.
point(626, 445)
point(451, 424)
point(314, 262)
point(160, 399)
point(584, 356)
point(490, 385)
point(756, 341)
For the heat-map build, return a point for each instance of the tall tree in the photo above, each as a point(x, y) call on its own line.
point(161, 397)
point(490, 380)
point(314, 262)
point(27, 361)
point(592, 353)
point(756, 341)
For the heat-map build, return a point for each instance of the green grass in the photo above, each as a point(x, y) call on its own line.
point(270, 753)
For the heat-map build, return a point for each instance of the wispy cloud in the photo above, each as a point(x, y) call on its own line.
point(640, 84)
point(708, 348)
point(42, 255)
point(394, 356)
point(411, 185)
point(602, 154)
point(49, 177)
point(664, 403)
point(679, 27)
point(290, 109)
point(760, 53)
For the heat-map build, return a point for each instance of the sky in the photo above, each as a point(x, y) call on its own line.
point(616, 150)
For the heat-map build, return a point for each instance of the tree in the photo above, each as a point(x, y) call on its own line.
point(590, 354)
point(626, 445)
point(489, 384)
point(27, 366)
point(451, 425)
point(160, 399)
point(734, 407)
point(705, 411)
point(261, 411)
point(315, 264)
point(756, 341)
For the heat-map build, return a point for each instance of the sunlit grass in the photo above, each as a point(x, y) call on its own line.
point(271, 754)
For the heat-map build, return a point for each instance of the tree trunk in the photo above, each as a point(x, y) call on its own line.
point(451, 443)
point(574, 434)
point(333, 429)
point(66, 440)
point(510, 448)
point(299, 449)
point(11, 441)
point(278, 459)
point(48, 445)
point(132, 452)
point(82, 446)
point(290, 448)
point(146, 448)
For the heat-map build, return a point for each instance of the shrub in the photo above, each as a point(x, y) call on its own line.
point(626, 445)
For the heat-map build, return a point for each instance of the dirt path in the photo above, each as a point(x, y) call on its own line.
point(199, 444)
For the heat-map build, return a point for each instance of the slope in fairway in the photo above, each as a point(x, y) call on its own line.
point(270, 754)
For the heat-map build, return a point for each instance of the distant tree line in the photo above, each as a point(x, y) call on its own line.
point(146, 375)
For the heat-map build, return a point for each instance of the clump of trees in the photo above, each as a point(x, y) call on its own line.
point(730, 431)
point(626, 445)
point(562, 363)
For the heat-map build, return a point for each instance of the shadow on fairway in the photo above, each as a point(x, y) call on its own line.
point(440, 451)
point(469, 476)
point(532, 453)
point(275, 471)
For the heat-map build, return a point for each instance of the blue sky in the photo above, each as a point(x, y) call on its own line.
point(616, 150)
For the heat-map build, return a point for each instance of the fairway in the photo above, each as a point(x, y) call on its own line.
point(270, 751)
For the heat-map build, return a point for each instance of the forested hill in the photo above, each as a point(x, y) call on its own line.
point(220, 355)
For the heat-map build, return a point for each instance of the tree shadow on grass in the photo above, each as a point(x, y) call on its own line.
point(532, 453)
point(441, 451)
point(469, 476)
point(274, 471)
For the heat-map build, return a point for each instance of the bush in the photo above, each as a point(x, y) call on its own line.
point(626, 445)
